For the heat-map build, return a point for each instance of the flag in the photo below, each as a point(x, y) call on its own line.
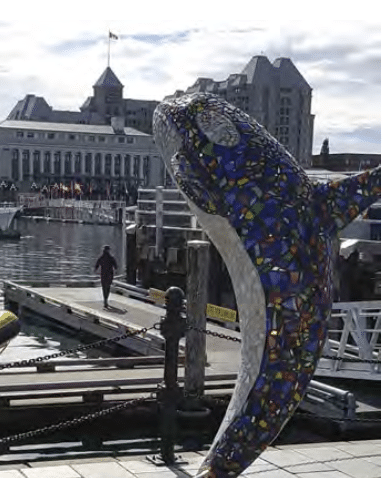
point(113, 36)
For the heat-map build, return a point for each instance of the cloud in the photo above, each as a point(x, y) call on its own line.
point(157, 39)
point(73, 45)
point(161, 49)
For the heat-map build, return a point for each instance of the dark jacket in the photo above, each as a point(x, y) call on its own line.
point(107, 264)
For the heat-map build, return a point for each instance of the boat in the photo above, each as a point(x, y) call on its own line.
point(8, 212)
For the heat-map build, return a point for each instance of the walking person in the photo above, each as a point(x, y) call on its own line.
point(107, 264)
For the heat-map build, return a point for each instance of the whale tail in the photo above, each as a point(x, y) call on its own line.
point(340, 202)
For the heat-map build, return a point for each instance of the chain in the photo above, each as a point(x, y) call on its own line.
point(213, 334)
point(74, 422)
point(236, 339)
point(80, 348)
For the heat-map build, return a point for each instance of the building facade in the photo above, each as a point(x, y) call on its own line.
point(106, 103)
point(104, 160)
point(276, 95)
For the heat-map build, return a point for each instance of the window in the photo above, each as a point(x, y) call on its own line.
point(67, 163)
point(129, 139)
point(30, 134)
point(88, 163)
point(98, 164)
point(136, 167)
point(47, 162)
point(57, 163)
point(91, 138)
point(101, 139)
point(78, 163)
point(127, 165)
point(121, 139)
point(19, 134)
point(117, 170)
point(25, 162)
point(15, 164)
point(36, 163)
point(51, 135)
point(108, 165)
point(72, 137)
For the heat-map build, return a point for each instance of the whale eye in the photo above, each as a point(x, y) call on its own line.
point(217, 128)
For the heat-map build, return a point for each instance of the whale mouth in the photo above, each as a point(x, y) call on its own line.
point(197, 185)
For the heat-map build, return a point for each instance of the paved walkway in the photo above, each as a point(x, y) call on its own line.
point(359, 459)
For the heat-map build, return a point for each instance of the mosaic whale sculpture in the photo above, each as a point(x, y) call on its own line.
point(274, 230)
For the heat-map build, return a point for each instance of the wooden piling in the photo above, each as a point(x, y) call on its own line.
point(195, 347)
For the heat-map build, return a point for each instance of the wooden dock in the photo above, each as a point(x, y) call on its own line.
point(84, 382)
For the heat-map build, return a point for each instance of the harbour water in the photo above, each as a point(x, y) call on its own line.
point(53, 251)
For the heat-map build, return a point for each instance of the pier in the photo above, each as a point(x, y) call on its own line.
point(72, 210)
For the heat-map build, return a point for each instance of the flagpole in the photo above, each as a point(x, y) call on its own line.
point(109, 48)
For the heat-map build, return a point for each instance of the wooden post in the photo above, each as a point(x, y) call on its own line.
point(130, 254)
point(159, 221)
point(197, 282)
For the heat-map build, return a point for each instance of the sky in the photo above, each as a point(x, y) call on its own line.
point(58, 50)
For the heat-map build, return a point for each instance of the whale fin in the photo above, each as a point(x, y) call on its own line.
point(340, 202)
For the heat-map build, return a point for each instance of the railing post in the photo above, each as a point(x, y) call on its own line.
point(197, 285)
point(159, 221)
point(172, 327)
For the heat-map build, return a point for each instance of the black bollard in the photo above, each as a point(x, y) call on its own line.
point(172, 328)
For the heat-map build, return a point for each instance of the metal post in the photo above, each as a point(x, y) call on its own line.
point(197, 290)
point(159, 221)
point(172, 327)
point(131, 262)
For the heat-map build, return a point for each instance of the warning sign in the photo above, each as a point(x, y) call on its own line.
point(216, 312)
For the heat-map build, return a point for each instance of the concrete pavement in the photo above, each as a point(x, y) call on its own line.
point(358, 459)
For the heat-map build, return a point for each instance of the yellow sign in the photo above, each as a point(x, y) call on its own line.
point(216, 312)
point(157, 295)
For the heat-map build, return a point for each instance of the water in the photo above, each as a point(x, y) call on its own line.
point(53, 251)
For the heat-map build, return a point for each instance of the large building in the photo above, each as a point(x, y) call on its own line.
point(107, 160)
point(106, 146)
point(276, 95)
point(106, 103)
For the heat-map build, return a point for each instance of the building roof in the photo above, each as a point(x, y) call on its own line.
point(108, 79)
point(250, 68)
point(67, 127)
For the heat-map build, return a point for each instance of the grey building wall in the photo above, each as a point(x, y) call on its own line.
point(276, 95)
point(46, 153)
